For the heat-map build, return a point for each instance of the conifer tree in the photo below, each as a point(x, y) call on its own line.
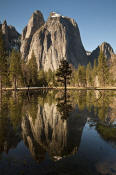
point(42, 78)
point(64, 73)
point(15, 67)
point(33, 71)
point(3, 60)
point(81, 75)
point(74, 79)
point(95, 68)
point(103, 70)
point(89, 75)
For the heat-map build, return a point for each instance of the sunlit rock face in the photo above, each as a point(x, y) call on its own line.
point(35, 22)
point(105, 48)
point(58, 38)
point(53, 134)
point(10, 36)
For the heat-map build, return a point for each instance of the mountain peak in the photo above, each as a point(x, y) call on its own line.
point(55, 15)
point(35, 22)
point(4, 22)
point(105, 48)
point(58, 38)
point(37, 13)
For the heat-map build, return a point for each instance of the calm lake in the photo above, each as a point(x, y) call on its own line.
point(52, 133)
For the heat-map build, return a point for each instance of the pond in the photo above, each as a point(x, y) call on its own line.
point(49, 132)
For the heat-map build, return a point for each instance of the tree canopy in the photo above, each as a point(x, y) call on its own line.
point(64, 73)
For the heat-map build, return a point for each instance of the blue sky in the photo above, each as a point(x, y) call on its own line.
point(96, 19)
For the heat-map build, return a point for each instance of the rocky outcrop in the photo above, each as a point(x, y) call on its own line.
point(35, 22)
point(105, 48)
point(11, 36)
point(58, 38)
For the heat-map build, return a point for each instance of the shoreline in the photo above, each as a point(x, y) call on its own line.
point(58, 88)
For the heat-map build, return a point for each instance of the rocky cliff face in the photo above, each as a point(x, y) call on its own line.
point(58, 38)
point(35, 22)
point(105, 48)
point(11, 36)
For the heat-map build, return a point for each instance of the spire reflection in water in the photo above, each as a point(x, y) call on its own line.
point(51, 132)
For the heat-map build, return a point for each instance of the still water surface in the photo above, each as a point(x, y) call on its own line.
point(61, 134)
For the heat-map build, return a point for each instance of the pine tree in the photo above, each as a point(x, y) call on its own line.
point(33, 71)
point(24, 70)
point(95, 72)
point(89, 75)
point(103, 70)
point(81, 75)
point(42, 78)
point(3, 60)
point(15, 67)
point(74, 79)
point(64, 73)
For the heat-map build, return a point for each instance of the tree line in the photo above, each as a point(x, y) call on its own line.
point(15, 72)
point(98, 74)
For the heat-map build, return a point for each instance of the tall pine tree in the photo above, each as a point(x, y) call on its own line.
point(33, 71)
point(89, 75)
point(64, 73)
point(103, 70)
point(81, 75)
point(3, 60)
point(15, 67)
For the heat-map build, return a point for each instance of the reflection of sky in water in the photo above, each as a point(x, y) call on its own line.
point(97, 151)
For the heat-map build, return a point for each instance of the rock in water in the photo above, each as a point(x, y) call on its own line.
point(58, 38)
point(35, 22)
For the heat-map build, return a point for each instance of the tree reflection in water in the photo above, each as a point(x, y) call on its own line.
point(64, 105)
point(51, 123)
point(50, 131)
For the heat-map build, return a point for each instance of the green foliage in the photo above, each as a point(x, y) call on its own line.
point(42, 79)
point(81, 76)
point(64, 107)
point(64, 73)
point(74, 79)
point(15, 110)
point(32, 73)
point(15, 67)
point(3, 60)
point(95, 68)
point(89, 75)
point(103, 70)
point(106, 132)
point(50, 77)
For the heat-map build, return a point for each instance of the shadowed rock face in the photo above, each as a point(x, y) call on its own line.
point(11, 36)
point(52, 134)
point(58, 38)
point(35, 22)
point(105, 48)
